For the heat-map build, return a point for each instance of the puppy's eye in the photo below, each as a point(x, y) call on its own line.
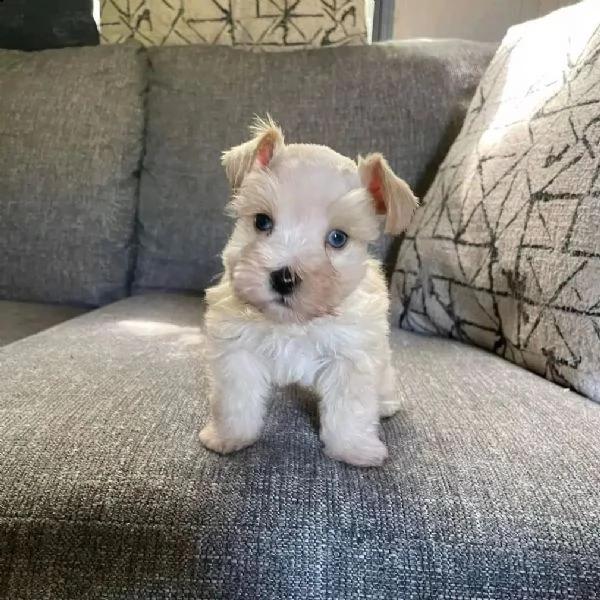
point(336, 238)
point(263, 222)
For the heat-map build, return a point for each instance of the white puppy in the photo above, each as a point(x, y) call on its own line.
point(300, 300)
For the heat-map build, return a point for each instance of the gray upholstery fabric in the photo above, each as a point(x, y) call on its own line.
point(406, 100)
point(492, 490)
point(71, 124)
point(21, 319)
point(505, 252)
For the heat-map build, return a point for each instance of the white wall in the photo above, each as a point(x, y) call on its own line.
point(484, 20)
point(369, 11)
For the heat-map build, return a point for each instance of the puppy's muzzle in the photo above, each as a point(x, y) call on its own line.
point(284, 281)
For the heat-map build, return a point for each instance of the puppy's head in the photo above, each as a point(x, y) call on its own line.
point(304, 217)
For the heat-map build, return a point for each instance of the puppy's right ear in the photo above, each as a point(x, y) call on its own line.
point(256, 153)
point(391, 195)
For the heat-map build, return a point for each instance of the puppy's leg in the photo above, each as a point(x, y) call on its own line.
point(241, 387)
point(389, 399)
point(350, 415)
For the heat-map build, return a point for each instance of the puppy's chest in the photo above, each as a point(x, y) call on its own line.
point(294, 357)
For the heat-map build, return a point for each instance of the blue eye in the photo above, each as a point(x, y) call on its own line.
point(337, 238)
point(263, 222)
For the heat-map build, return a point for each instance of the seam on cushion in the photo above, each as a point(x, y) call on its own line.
point(134, 241)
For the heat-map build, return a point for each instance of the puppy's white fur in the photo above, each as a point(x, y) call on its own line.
point(331, 334)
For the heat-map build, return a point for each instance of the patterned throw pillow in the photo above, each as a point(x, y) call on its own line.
point(505, 252)
point(256, 24)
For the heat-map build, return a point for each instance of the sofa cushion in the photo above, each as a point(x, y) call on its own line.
point(405, 100)
point(492, 489)
point(505, 252)
point(265, 26)
point(34, 25)
point(71, 124)
point(21, 319)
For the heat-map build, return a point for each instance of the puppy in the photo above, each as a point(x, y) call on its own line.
point(300, 300)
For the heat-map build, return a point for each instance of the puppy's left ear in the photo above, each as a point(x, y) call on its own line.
point(256, 153)
point(391, 195)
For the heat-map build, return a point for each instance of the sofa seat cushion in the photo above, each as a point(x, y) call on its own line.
point(21, 319)
point(492, 489)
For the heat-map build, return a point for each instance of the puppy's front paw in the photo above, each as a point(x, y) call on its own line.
point(223, 444)
point(369, 452)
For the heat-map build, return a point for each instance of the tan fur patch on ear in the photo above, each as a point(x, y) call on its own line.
point(267, 140)
point(391, 195)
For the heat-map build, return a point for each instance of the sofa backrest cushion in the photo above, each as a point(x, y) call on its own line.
point(71, 127)
point(406, 100)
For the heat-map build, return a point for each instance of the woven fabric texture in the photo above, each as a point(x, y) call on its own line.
point(491, 491)
point(505, 252)
point(406, 100)
point(71, 125)
point(21, 319)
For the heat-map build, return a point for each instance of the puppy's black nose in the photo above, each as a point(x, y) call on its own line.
point(284, 281)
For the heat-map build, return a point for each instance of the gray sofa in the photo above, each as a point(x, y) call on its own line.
point(111, 222)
